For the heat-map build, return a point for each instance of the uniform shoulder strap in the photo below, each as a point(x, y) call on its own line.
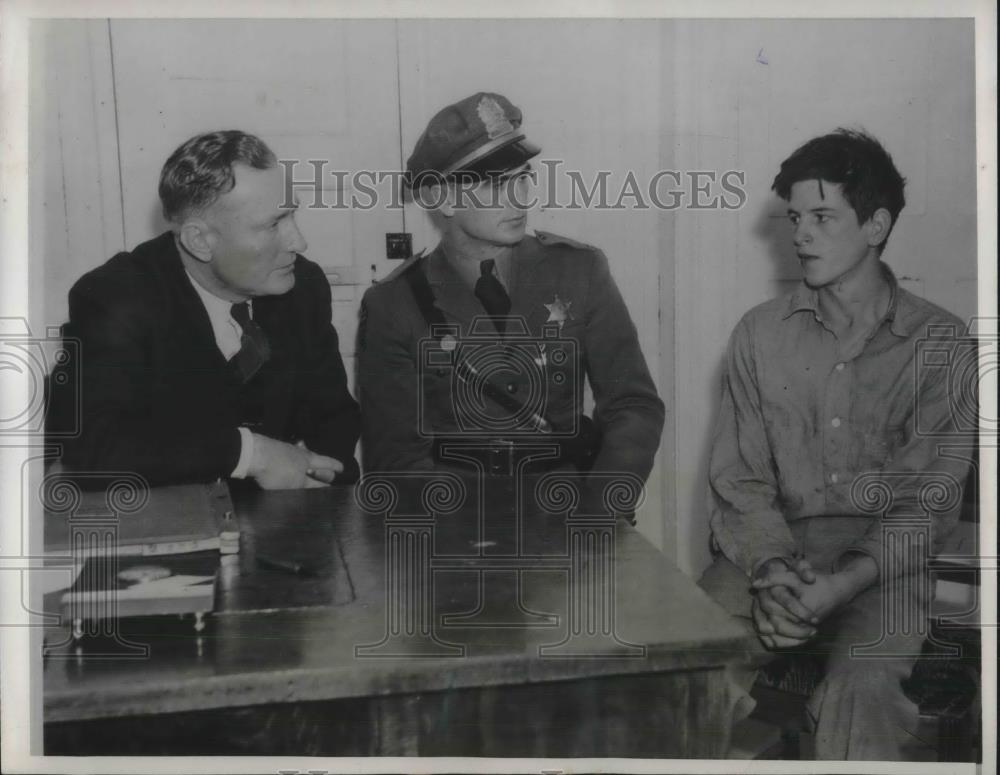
point(549, 239)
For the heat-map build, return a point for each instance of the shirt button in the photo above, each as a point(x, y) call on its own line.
point(833, 478)
point(840, 367)
point(835, 422)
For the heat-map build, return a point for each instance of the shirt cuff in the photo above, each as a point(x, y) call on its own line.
point(246, 454)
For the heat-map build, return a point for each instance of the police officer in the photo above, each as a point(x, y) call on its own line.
point(490, 336)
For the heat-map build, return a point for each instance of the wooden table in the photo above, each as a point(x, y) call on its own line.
point(352, 662)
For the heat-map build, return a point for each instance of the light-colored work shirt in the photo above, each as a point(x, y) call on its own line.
point(805, 431)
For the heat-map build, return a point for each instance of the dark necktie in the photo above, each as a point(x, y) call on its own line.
point(255, 350)
point(490, 291)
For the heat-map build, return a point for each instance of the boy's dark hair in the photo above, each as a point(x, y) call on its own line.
point(201, 169)
point(855, 161)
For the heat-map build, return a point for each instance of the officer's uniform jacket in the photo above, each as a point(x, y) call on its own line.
point(409, 392)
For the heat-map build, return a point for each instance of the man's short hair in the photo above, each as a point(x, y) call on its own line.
point(201, 169)
point(855, 161)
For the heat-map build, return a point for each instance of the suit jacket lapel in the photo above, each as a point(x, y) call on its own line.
point(191, 323)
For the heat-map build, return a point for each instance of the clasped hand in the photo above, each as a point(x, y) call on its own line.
point(791, 601)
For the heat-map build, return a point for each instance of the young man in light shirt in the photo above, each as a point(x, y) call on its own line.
point(820, 389)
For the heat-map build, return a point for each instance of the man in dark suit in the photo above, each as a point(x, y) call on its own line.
point(491, 335)
point(209, 351)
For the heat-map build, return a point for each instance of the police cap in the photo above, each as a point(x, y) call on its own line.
point(476, 136)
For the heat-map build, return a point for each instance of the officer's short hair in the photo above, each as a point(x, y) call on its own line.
point(855, 161)
point(201, 170)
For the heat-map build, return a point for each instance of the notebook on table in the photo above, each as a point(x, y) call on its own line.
point(152, 553)
point(176, 519)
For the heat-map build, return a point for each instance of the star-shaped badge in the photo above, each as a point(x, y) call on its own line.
point(559, 311)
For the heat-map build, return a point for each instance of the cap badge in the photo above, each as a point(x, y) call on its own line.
point(493, 118)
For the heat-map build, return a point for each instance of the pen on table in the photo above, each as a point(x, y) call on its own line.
point(287, 566)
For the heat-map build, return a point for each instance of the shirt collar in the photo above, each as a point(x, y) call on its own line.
point(804, 299)
point(217, 308)
point(440, 271)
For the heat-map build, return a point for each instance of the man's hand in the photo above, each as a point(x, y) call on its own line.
point(824, 593)
point(320, 472)
point(781, 619)
point(280, 466)
point(775, 628)
point(823, 596)
point(781, 579)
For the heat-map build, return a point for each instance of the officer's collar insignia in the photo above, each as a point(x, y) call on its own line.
point(493, 118)
point(559, 311)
